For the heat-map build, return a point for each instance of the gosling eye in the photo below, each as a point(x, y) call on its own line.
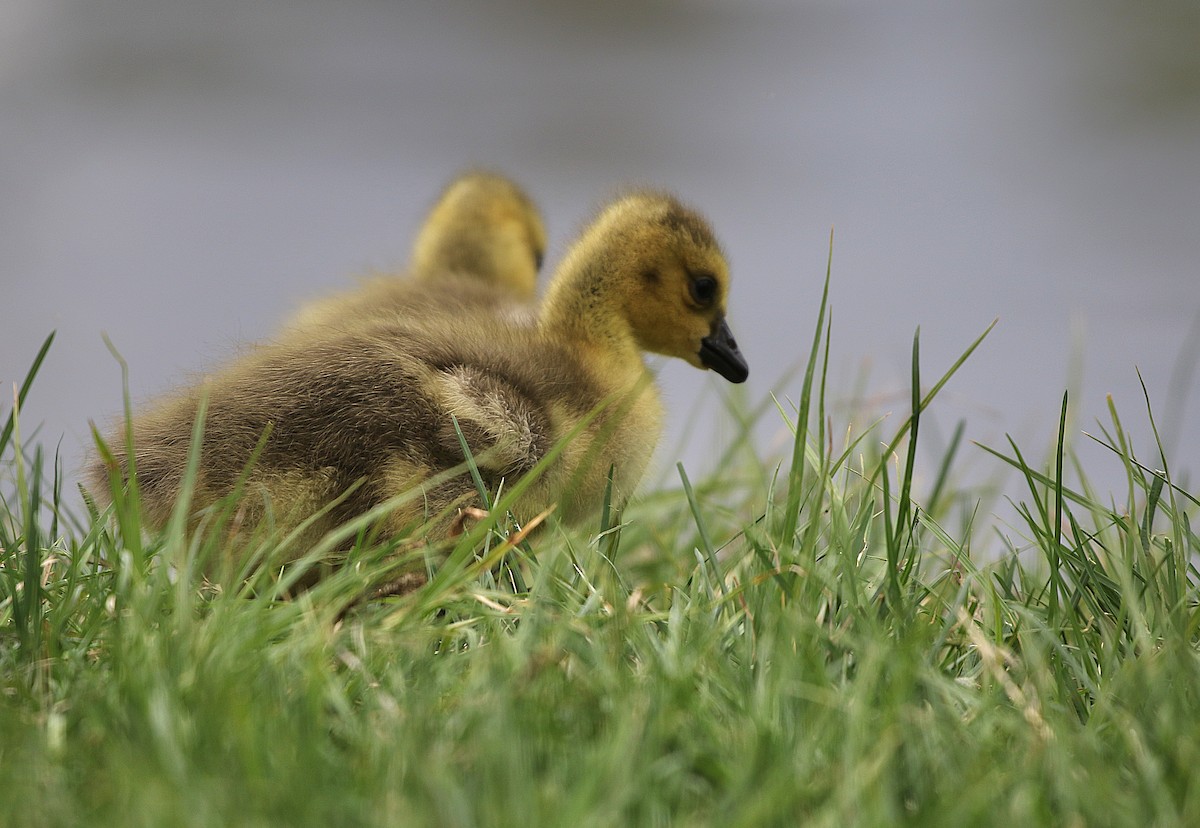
point(703, 289)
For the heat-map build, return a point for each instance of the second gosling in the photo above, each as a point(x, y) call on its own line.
point(480, 246)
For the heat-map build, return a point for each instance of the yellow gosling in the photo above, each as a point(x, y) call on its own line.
point(372, 405)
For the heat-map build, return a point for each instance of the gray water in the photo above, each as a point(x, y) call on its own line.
point(182, 175)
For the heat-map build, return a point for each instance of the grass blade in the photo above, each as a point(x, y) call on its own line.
point(23, 392)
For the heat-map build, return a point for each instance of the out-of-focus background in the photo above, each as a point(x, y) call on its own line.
point(182, 175)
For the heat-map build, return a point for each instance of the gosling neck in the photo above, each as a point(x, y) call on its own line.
point(584, 305)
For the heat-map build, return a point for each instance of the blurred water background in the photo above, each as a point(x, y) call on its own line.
point(182, 175)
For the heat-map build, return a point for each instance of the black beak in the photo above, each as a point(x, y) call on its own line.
point(719, 351)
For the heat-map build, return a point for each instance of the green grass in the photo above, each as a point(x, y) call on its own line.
point(842, 639)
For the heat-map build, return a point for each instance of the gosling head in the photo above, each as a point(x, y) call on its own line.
point(659, 263)
point(485, 226)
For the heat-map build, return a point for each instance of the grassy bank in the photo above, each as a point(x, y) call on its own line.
point(804, 640)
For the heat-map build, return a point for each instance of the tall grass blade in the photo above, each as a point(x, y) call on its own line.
point(899, 541)
point(795, 492)
point(1054, 533)
point(23, 392)
point(933, 392)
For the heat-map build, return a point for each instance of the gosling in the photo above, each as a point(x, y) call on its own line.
point(372, 410)
point(481, 246)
